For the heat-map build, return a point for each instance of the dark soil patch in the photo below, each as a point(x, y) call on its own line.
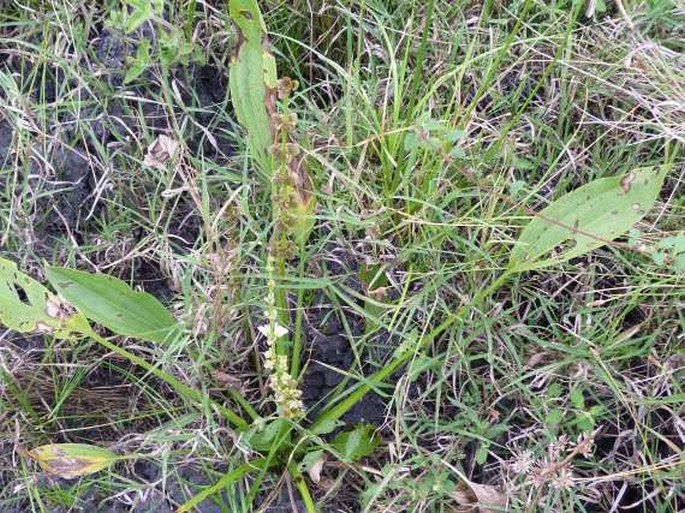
point(5, 143)
point(74, 181)
point(148, 276)
point(330, 356)
point(330, 359)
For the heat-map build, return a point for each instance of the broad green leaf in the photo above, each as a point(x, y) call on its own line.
point(586, 219)
point(27, 306)
point(70, 461)
point(358, 443)
point(113, 304)
point(252, 80)
point(249, 97)
point(248, 18)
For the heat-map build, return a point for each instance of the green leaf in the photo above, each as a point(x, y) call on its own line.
point(113, 304)
point(577, 398)
point(173, 47)
point(70, 461)
point(457, 152)
point(326, 426)
point(659, 258)
point(455, 135)
point(248, 18)
point(586, 219)
point(679, 263)
point(311, 459)
point(585, 421)
point(27, 306)
point(140, 62)
point(482, 454)
point(157, 6)
point(249, 97)
point(554, 418)
point(675, 243)
point(253, 80)
point(356, 444)
point(141, 13)
point(263, 437)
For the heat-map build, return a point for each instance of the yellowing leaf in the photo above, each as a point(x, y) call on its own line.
point(70, 461)
point(586, 218)
point(301, 210)
point(478, 498)
point(313, 463)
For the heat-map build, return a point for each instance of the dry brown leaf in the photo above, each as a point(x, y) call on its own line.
point(478, 498)
point(226, 380)
point(163, 149)
point(315, 470)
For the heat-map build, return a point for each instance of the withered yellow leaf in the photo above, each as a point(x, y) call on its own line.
point(70, 461)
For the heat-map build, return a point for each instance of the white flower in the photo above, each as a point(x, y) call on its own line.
point(268, 360)
point(278, 330)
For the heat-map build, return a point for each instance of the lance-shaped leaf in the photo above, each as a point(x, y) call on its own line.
point(113, 304)
point(586, 218)
point(27, 306)
point(252, 80)
point(70, 461)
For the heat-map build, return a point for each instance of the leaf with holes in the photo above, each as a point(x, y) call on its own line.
point(70, 461)
point(27, 306)
point(586, 219)
point(112, 303)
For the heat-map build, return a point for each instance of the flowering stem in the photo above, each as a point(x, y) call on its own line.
point(284, 386)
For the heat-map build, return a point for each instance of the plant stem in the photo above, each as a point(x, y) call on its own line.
point(302, 487)
point(297, 335)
